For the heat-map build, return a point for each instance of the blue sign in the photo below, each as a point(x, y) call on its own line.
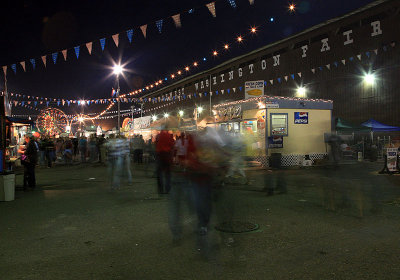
point(275, 142)
point(301, 117)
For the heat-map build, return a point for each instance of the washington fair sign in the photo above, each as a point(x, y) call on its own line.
point(254, 89)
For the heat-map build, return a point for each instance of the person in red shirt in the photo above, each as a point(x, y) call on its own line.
point(164, 150)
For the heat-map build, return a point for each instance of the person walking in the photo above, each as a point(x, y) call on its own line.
point(29, 160)
point(82, 148)
point(50, 151)
point(164, 149)
point(102, 149)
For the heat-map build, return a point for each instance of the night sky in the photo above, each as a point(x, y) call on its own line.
point(30, 29)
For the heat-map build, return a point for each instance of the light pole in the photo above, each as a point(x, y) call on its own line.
point(117, 71)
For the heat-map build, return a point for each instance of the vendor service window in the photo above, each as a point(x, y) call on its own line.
point(279, 124)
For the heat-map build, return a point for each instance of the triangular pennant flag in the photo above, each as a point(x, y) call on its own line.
point(351, 58)
point(177, 20)
point(15, 103)
point(234, 89)
point(251, 2)
point(292, 75)
point(129, 34)
point(328, 66)
point(359, 57)
point(228, 90)
point(313, 70)
point(14, 68)
point(336, 64)
point(54, 55)
point(211, 8)
point(64, 53)
point(77, 51)
point(5, 70)
point(223, 91)
point(102, 43)
point(33, 62)
point(159, 25)
point(23, 65)
point(271, 81)
point(286, 78)
point(233, 3)
point(368, 54)
point(299, 74)
point(44, 60)
point(384, 48)
point(320, 68)
point(279, 80)
point(376, 51)
point(392, 44)
point(240, 88)
point(144, 30)
point(191, 11)
point(115, 38)
point(344, 61)
point(89, 47)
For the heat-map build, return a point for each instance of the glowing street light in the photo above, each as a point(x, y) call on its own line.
point(301, 92)
point(166, 115)
point(199, 109)
point(181, 113)
point(67, 128)
point(81, 119)
point(154, 118)
point(369, 79)
point(118, 69)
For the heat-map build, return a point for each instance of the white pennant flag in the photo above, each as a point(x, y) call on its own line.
point(23, 65)
point(115, 37)
point(222, 91)
point(89, 47)
point(376, 51)
point(64, 53)
point(286, 77)
point(344, 62)
point(44, 60)
point(313, 70)
point(15, 103)
point(299, 74)
point(177, 20)
point(251, 2)
point(210, 93)
point(211, 8)
point(359, 57)
point(271, 81)
point(328, 66)
point(144, 29)
point(234, 89)
point(5, 70)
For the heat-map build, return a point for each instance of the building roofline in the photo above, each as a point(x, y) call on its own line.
point(367, 7)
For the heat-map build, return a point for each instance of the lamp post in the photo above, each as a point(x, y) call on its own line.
point(117, 71)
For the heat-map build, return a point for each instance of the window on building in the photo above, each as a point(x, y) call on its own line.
point(279, 124)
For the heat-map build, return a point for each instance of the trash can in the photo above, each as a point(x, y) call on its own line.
point(275, 160)
point(7, 187)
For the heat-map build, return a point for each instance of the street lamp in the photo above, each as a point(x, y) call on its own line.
point(369, 79)
point(301, 92)
point(117, 69)
point(181, 113)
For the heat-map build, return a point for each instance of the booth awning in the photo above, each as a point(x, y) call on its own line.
point(377, 126)
point(343, 125)
point(21, 121)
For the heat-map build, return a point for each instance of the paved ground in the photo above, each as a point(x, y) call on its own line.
point(332, 224)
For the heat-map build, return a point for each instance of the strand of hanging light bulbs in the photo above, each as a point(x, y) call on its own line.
point(226, 47)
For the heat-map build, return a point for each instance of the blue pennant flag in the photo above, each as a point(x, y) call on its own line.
point(279, 80)
point(159, 25)
point(320, 68)
point(265, 83)
point(79, 102)
point(35, 103)
point(47, 103)
point(336, 64)
point(33, 62)
point(58, 103)
point(129, 33)
point(229, 90)
point(384, 48)
point(102, 43)
point(205, 94)
point(54, 55)
point(351, 58)
point(14, 67)
point(77, 50)
point(233, 3)
point(191, 11)
point(69, 102)
point(292, 75)
point(216, 92)
point(368, 54)
point(23, 102)
point(195, 95)
point(240, 88)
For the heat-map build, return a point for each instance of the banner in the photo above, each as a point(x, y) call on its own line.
point(115, 38)
point(301, 117)
point(89, 47)
point(177, 20)
point(129, 34)
point(159, 25)
point(64, 53)
point(391, 163)
point(144, 30)
point(211, 8)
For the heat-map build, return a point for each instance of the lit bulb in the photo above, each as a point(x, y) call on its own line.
point(253, 30)
point(226, 46)
point(181, 113)
point(292, 7)
point(195, 64)
point(239, 39)
point(187, 68)
point(215, 53)
point(199, 109)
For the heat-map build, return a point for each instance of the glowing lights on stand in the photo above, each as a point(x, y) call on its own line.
point(301, 92)
point(369, 79)
point(292, 7)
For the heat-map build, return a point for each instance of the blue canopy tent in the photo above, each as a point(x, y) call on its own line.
point(379, 127)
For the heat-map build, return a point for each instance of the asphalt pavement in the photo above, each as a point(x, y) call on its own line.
point(312, 223)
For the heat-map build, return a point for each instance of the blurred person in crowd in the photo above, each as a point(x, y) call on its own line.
point(102, 148)
point(50, 151)
point(68, 151)
point(82, 144)
point(237, 149)
point(93, 148)
point(118, 161)
point(125, 159)
point(181, 145)
point(42, 150)
point(140, 148)
point(29, 160)
point(75, 143)
point(164, 151)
